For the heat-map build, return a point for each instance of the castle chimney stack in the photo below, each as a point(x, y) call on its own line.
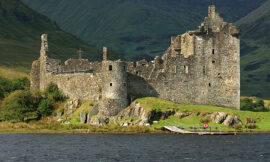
point(44, 45)
point(211, 11)
point(105, 53)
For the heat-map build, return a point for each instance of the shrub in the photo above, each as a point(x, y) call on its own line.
point(247, 104)
point(21, 105)
point(238, 127)
point(204, 120)
point(251, 126)
point(53, 94)
point(7, 86)
point(45, 108)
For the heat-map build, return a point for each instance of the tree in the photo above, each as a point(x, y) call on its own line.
point(45, 108)
point(53, 94)
point(246, 104)
point(20, 105)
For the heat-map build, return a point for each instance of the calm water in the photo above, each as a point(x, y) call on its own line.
point(20, 147)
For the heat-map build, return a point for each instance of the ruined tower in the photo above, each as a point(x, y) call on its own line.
point(43, 60)
point(38, 72)
point(114, 86)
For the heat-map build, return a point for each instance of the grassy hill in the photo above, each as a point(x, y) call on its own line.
point(150, 103)
point(136, 27)
point(255, 53)
point(20, 30)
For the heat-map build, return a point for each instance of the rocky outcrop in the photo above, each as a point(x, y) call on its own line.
point(137, 115)
point(71, 106)
point(232, 121)
point(218, 117)
point(93, 111)
point(99, 121)
point(135, 110)
point(224, 118)
point(83, 116)
point(182, 114)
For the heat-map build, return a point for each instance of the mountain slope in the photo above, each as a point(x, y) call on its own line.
point(255, 54)
point(136, 27)
point(20, 31)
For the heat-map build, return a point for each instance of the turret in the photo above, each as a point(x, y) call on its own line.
point(211, 11)
point(44, 45)
point(105, 53)
point(114, 86)
point(43, 60)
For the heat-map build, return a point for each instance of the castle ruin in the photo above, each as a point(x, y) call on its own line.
point(200, 67)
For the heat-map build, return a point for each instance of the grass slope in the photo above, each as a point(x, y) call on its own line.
point(20, 31)
point(12, 73)
point(151, 103)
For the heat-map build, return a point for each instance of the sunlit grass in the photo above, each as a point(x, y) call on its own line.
point(151, 103)
point(16, 72)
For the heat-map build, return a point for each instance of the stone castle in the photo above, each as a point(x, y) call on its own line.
point(200, 67)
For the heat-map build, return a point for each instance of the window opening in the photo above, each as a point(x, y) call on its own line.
point(110, 67)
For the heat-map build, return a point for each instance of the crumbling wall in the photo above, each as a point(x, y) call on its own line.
point(83, 86)
point(35, 75)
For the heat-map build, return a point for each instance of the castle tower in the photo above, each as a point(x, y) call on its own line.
point(43, 60)
point(213, 22)
point(114, 86)
point(211, 11)
point(105, 53)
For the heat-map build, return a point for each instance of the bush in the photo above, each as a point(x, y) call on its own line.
point(247, 104)
point(20, 106)
point(45, 108)
point(7, 85)
point(251, 126)
point(53, 94)
point(204, 120)
point(238, 127)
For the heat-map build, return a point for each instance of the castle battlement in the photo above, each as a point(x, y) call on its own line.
point(199, 67)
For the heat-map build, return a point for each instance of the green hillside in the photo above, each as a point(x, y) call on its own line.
point(20, 30)
point(142, 29)
point(136, 27)
point(255, 54)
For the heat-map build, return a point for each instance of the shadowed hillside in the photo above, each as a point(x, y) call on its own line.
point(20, 30)
point(255, 53)
point(136, 27)
point(142, 29)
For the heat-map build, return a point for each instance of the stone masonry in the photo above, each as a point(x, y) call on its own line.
point(199, 67)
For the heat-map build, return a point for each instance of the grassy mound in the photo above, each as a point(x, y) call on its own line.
point(151, 103)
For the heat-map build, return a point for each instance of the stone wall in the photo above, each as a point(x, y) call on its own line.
point(83, 86)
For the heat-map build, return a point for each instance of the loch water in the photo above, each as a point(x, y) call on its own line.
point(145, 147)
